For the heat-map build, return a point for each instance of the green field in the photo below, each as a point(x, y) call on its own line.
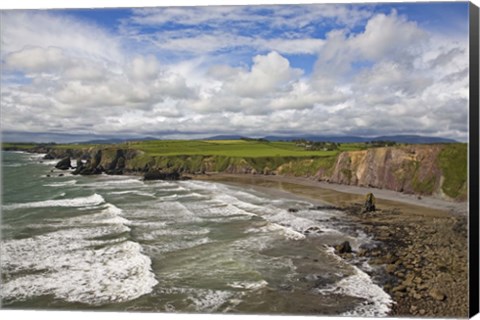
point(228, 148)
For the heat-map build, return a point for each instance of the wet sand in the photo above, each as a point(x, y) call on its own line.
point(421, 255)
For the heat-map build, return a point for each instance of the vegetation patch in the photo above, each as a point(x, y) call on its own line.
point(453, 162)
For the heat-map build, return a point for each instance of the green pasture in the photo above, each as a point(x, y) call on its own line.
point(228, 148)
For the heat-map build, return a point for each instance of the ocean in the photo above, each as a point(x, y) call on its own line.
point(118, 243)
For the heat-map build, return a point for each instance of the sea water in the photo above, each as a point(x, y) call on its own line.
point(120, 243)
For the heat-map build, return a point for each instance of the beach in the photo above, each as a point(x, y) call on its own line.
point(422, 247)
point(253, 244)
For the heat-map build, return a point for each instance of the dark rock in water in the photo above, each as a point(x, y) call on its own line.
point(159, 175)
point(48, 176)
point(64, 164)
point(87, 168)
point(324, 208)
point(48, 156)
point(292, 210)
point(80, 167)
point(313, 229)
point(61, 175)
point(344, 247)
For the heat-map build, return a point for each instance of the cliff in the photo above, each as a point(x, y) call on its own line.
point(439, 170)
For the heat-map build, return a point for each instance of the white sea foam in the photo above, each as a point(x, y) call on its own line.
point(72, 269)
point(210, 300)
point(61, 184)
point(202, 185)
point(114, 273)
point(108, 183)
point(136, 192)
point(14, 165)
point(249, 285)
point(274, 227)
point(49, 162)
point(360, 285)
point(214, 209)
point(152, 235)
point(92, 200)
point(246, 206)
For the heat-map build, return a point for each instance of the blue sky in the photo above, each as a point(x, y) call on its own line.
point(366, 69)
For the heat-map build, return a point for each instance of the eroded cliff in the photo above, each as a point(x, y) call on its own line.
point(439, 170)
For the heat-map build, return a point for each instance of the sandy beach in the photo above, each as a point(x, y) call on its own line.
point(421, 258)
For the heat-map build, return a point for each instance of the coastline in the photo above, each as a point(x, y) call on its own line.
point(339, 194)
point(422, 253)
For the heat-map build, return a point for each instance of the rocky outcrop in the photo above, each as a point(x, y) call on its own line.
point(344, 247)
point(158, 175)
point(64, 164)
point(413, 169)
point(409, 169)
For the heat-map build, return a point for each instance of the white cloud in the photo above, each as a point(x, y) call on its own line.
point(389, 36)
point(42, 29)
point(36, 59)
point(269, 74)
point(61, 74)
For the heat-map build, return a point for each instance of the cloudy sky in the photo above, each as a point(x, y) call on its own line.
point(179, 72)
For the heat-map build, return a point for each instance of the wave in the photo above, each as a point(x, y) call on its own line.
point(155, 234)
point(136, 192)
point(112, 183)
point(61, 184)
point(161, 248)
point(249, 285)
point(92, 200)
point(289, 233)
point(77, 263)
point(14, 165)
point(377, 302)
point(115, 273)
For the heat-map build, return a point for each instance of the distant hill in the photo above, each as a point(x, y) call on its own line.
point(117, 140)
point(413, 139)
point(225, 137)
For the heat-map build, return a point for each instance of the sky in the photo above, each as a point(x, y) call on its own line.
point(193, 72)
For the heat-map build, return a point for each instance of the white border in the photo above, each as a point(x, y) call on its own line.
point(50, 4)
point(81, 315)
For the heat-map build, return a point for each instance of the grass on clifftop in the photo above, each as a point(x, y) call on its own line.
point(227, 148)
point(453, 162)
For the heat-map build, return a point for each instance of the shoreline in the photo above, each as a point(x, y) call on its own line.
point(339, 194)
point(422, 255)
point(421, 260)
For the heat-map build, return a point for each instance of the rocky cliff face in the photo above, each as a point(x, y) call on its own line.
point(410, 169)
point(438, 170)
point(415, 169)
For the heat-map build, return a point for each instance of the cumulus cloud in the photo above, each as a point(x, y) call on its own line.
point(374, 73)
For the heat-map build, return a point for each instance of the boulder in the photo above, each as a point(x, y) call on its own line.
point(80, 167)
point(344, 247)
point(48, 156)
point(64, 164)
point(159, 175)
point(437, 294)
point(390, 268)
point(313, 229)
